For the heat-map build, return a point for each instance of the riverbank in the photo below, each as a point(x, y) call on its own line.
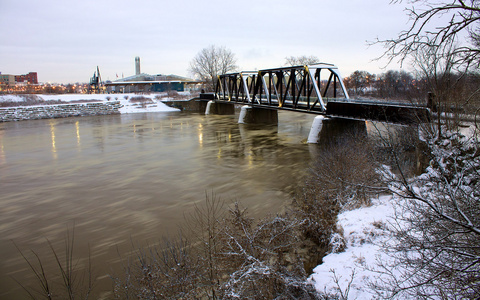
point(350, 267)
point(29, 107)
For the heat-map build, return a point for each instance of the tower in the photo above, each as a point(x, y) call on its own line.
point(137, 65)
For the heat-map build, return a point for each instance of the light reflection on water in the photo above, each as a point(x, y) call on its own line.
point(131, 179)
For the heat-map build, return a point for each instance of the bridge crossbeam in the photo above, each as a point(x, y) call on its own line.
point(297, 87)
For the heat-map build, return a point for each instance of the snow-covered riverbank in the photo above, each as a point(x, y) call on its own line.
point(131, 103)
point(349, 272)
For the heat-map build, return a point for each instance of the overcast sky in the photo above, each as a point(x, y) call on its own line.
point(64, 41)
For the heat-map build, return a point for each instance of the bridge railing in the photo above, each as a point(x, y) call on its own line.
point(297, 87)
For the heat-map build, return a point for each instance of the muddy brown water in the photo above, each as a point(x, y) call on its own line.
point(125, 181)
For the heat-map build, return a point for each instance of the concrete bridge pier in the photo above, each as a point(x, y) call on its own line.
point(256, 115)
point(216, 108)
point(326, 130)
point(315, 130)
point(202, 105)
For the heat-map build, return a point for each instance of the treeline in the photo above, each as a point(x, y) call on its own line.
point(402, 85)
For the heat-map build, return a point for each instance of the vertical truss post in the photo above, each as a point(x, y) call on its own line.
point(265, 88)
point(340, 81)
point(315, 79)
point(245, 86)
point(281, 83)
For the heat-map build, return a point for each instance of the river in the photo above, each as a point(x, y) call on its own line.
point(124, 181)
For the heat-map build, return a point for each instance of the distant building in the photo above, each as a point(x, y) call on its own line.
point(13, 79)
point(141, 82)
point(151, 83)
point(30, 78)
point(7, 79)
point(137, 65)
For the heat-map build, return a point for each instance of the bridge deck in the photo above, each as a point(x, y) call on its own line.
point(394, 112)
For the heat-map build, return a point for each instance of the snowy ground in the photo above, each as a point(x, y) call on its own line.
point(363, 231)
point(125, 99)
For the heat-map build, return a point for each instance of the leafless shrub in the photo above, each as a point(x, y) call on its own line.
point(344, 176)
point(185, 268)
point(172, 93)
point(224, 257)
point(261, 259)
point(204, 226)
point(138, 99)
point(72, 280)
point(260, 280)
point(141, 100)
point(166, 271)
point(402, 149)
point(341, 293)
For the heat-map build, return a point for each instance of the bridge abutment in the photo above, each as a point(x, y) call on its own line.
point(255, 115)
point(327, 130)
point(216, 108)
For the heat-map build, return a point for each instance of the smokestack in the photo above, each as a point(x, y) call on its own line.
point(137, 65)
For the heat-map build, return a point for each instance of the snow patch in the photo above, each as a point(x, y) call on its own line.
point(364, 232)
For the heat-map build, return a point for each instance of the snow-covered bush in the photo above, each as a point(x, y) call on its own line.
point(437, 230)
point(261, 259)
point(225, 256)
point(167, 271)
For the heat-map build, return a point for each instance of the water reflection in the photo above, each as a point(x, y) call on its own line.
point(52, 132)
point(77, 129)
point(133, 178)
point(3, 159)
point(200, 135)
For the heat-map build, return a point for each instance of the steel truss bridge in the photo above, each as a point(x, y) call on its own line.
point(300, 88)
point(316, 88)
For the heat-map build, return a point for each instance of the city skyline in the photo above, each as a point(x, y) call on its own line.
point(65, 42)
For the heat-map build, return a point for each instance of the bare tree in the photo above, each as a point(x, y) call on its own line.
point(211, 62)
point(301, 60)
point(424, 32)
point(442, 40)
point(437, 226)
point(436, 229)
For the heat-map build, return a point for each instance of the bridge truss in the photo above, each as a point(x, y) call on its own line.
point(301, 88)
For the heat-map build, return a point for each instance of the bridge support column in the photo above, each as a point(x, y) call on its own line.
point(202, 106)
point(326, 130)
point(255, 115)
point(314, 134)
point(216, 108)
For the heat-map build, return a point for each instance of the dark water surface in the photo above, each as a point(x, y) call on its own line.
point(131, 179)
